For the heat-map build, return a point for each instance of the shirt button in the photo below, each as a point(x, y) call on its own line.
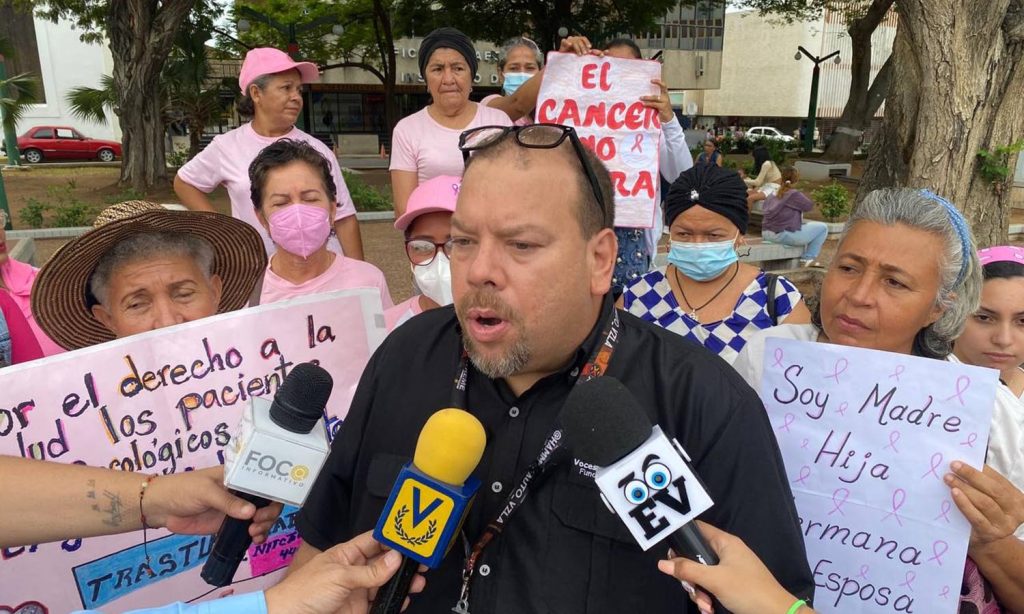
point(485, 570)
point(496, 487)
point(514, 412)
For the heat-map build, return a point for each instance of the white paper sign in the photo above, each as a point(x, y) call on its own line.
point(600, 97)
point(867, 437)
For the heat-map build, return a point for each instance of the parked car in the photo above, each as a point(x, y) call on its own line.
point(64, 143)
point(767, 132)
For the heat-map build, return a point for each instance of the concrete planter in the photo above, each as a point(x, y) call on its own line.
point(835, 228)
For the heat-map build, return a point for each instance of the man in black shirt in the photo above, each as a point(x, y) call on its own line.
point(532, 254)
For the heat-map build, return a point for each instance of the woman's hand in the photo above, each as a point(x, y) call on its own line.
point(990, 502)
point(661, 102)
point(580, 45)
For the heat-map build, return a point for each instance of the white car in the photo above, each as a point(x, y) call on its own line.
point(767, 132)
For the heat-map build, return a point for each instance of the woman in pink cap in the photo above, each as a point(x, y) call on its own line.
point(271, 84)
point(427, 224)
point(296, 198)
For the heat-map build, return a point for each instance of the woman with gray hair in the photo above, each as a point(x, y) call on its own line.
point(520, 60)
point(904, 279)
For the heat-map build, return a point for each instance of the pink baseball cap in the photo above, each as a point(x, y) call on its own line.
point(437, 194)
point(1001, 253)
point(267, 61)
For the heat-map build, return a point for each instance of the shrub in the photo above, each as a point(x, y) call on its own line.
point(33, 213)
point(366, 197)
point(63, 209)
point(833, 201)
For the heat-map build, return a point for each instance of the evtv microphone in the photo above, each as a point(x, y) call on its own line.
point(429, 501)
point(275, 455)
point(645, 478)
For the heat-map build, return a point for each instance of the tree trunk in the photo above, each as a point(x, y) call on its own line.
point(141, 36)
point(386, 43)
point(957, 78)
point(858, 111)
point(195, 136)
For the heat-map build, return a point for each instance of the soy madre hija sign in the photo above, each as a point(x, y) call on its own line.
point(164, 402)
point(867, 437)
point(600, 98)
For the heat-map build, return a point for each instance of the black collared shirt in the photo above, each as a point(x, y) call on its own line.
point(562, 552)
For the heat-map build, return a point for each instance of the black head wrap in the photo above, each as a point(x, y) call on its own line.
point(715, 188)
point(447, 38)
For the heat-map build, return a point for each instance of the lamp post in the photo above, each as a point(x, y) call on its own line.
point(812, 107)
point(291, 30)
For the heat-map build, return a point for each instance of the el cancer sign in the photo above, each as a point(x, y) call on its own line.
point(164, 402)
point(600, 98)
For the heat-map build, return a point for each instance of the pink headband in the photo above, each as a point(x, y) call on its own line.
point(1001, 253)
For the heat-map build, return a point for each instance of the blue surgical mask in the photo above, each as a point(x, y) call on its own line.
point(703, 261)
point(513, 80)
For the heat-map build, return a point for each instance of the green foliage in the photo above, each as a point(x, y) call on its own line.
point(366, 197)
point(776, 148)
point(994, 165)
point(16, 92)
point(833, 201)
point(177, 158)
point(128, 193)
point(62, 209)
point(90, 103)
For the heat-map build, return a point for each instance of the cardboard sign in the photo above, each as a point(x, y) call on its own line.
point(164, 402)
point(867, 437)
point(600, 98)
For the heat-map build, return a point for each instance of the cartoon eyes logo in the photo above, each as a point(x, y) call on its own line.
point(657, 476)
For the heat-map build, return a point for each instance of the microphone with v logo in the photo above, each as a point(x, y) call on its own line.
point(429, 501)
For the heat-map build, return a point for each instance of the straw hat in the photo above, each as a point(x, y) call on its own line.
point(61, 300)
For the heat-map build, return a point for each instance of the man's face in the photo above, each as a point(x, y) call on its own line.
point(157, 292)
point(527, 284)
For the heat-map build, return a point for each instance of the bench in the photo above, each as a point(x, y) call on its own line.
point(769, 256)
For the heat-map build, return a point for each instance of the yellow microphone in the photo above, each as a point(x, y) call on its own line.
point(429, 501)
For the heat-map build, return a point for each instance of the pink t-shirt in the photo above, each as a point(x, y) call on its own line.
point(400, 313)
point(226, 161)
point(425, 147)
point(525, 120)
point(18, 278)
point(343, 274)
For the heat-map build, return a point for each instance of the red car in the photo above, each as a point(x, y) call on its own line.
point(64, 143)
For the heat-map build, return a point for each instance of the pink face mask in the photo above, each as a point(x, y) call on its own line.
point(300, 229)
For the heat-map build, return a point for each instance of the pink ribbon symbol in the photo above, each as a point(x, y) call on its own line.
point(909, 580)
point(945, 592)
point(897, 373)
point(839, 497)
point(637, 144)
point(894, 438)
point(805, 472)
point(838, 369)
point(970, 440)
point(944, 510)
point(778, 358)
point(936, 555)
point(803, 444)
point(935, 463)
point(962, 384)
point(899, 497)
point(842, 407)
point(863, 572)
point(789, 419)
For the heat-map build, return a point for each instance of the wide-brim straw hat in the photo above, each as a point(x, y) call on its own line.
point(61, 300)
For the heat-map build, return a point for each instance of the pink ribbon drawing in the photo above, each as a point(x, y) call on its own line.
point(838, 369)
point(839, 497)
point(944, 510)
point(789, 419)
point(637, 144)
point(863, 572)
point(909, 580)
point(805, 472)
point(935, 463)
point(899, 497)
point(803, 444)
point(897, 373)
point(962, 384)
point(778, 357)
point(894, 438)
point(842, 408)
point(970, 440)
point(936, 555)
point(945, 592)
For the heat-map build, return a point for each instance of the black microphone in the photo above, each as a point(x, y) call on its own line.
point(274, 456)
point(645, 478)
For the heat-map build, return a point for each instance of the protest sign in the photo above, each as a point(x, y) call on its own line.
point(163, 402)
point(600, 98)
point(867, 437)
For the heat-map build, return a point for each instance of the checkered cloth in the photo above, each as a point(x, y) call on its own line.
point(650, 298)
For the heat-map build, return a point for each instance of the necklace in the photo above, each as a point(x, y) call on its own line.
point(694, 310)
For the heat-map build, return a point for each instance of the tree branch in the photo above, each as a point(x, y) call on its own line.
point(879, 89)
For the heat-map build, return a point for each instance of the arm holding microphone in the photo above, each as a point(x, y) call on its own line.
point(47, 501)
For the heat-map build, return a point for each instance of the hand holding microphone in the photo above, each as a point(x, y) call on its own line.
point(275, 456)
point(429, 501)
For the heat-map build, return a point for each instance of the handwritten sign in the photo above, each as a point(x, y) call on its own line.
point(164, 402)
point(600, 97)
point(867, 437)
